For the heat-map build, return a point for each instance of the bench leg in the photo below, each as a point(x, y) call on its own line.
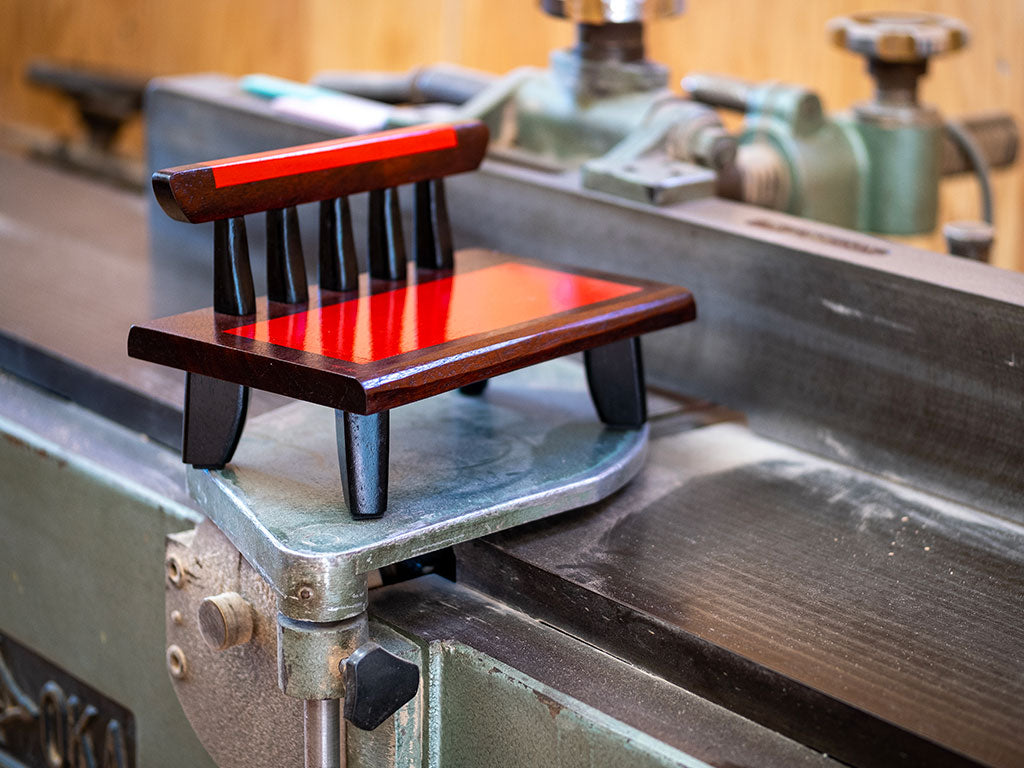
point(615, 374)
point(214, 418)
point(363, 459)
point(475, 389)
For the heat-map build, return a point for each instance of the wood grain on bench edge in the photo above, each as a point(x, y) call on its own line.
point(247, 184)
point(198, 342)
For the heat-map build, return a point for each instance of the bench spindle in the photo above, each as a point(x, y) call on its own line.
point(387, 258)
point(215, 410)
point(233, 292)
point(286, 267)
point(433, 240)
point(339, 267)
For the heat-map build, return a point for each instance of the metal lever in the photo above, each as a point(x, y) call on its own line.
point(377, 684)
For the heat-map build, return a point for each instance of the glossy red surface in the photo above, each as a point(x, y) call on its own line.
point(382, 325)
point(332, 154)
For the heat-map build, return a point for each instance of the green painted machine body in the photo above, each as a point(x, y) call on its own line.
point(86, 509)
point(854, 170)
point(902, 176)
point(489, 709)
point(556, 122)
point(861, 170)
point(82, 548)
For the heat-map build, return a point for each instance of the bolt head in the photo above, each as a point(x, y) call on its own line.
point(225, 620)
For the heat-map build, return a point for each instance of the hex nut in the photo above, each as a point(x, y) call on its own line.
point(225, 620)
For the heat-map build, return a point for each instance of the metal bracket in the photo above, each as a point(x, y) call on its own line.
point(528, 448)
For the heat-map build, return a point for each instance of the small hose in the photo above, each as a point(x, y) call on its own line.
point(966, 142)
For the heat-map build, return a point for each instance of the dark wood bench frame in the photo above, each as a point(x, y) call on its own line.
point(221, 366)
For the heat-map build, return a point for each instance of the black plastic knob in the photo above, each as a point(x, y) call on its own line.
point(377, 684)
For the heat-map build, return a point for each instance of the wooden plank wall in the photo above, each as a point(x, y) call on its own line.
point(756, 39)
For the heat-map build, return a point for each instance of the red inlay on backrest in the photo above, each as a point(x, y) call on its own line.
point(324, 155)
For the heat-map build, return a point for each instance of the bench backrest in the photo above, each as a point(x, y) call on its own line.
point(224, 191)
point(280, 178)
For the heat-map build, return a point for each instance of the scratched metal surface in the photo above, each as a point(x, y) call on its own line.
point(853, 614)
point(29, 410)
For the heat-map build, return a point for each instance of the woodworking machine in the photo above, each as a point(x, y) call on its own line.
point(804, 546)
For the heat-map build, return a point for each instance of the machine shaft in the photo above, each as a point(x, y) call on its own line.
point(323, 734)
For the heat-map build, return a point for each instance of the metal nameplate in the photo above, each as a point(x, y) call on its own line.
point(49, 719)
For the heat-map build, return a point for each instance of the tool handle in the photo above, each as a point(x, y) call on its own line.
point(237, 186)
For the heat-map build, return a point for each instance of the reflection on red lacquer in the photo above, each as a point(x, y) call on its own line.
point(382, 325)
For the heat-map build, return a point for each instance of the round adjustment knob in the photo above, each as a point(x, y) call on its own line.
point(612, 11)
point(898, 37)
point(225, 620)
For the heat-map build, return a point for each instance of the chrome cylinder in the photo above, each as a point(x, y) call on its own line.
point(323, 734)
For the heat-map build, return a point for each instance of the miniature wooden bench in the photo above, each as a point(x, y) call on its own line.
point(365, 344)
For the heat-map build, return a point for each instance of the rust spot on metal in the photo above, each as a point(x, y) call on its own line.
point(819, 236)
point(553, 706)
point(19, 443)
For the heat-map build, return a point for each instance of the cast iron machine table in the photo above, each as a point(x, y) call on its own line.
point(366, 345)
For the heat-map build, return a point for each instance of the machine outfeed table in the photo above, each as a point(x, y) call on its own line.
point(525, 447)
point(396, 336)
